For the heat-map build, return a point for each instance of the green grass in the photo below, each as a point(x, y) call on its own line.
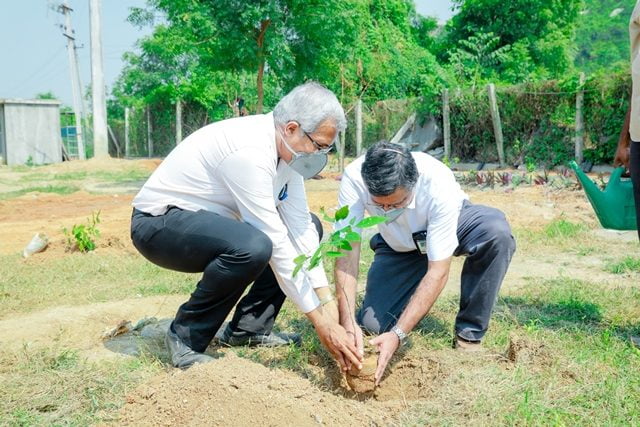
point(57, 189)
point(25, 179)
point(585, 370)
point(55, 386)
point(627, 265)
point(581, 370)
point(83, 279)
point(561, 228)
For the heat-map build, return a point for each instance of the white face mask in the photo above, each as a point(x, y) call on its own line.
point(306, 164)
point(391, 214)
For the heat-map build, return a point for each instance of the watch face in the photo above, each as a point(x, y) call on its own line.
point(402, 336)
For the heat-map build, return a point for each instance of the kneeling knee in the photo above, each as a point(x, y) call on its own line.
point(501, 236)
point(369, 322)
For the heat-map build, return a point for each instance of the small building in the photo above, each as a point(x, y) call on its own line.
point(30, 132)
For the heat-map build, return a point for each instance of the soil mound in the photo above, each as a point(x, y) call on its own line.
point(233, 391)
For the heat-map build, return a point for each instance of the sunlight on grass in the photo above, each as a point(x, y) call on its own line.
point(563, 229)
point(55, 386)
point(627, 265)
point(57, 189)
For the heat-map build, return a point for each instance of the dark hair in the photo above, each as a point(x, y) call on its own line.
point(388, 167)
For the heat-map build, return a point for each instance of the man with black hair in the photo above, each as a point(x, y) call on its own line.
point(429, 220)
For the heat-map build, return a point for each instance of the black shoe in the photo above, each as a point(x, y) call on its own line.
point(272, 340)
point(183, 356)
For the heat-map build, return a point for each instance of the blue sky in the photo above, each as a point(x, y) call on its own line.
point(33, 49)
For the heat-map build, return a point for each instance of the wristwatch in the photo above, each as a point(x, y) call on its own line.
point(402, 336)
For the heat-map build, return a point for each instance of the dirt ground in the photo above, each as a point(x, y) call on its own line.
point(233, 390)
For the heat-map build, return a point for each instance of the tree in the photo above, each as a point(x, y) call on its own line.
point(542, 30)
point(46, 95)
point(477, 56)
point(602, 36)
point(206, 48)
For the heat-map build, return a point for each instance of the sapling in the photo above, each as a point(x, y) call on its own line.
point(339, 241)
point(82, 237)
point(359, 380)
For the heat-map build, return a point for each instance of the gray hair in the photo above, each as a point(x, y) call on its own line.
point(310, 104)
point(388, 167)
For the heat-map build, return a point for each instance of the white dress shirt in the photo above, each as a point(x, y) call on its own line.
point(634, 35)
point(434, 208)
point(231, 168)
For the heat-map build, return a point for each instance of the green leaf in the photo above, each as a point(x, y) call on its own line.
point(352, 236)
point(371, 221)
point(300, 259)
point(345, 245)
point(335, 238)
point(325, 216)
point(296, 270)
point(335, 254)
point(315, 258)
point(342, 213)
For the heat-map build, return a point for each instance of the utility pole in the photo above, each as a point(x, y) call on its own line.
point(76, 89)
point(100, 138)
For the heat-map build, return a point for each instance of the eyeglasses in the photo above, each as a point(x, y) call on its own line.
point(324, 149)
point(401, 204)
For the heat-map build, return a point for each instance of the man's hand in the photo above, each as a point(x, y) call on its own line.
point(386, 345)
point(622, 157)
point(331, 308)
point(340, 344)
point(624, 142)
point(334, 338)
point(355, 333)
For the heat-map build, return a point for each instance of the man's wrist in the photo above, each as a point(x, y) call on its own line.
point(403, 337)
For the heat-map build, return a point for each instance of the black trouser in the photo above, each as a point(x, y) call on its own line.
point(230, 254)
point(634, 168)
point(484, 236)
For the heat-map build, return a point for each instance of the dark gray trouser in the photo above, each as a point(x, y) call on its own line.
point(485, 238)
point(230, 254)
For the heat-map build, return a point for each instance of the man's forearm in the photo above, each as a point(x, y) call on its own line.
point(624, 140)
point(346, 280)
point(422, 300)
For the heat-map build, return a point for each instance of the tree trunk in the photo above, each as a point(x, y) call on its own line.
point(261, 61)
point(260, 87)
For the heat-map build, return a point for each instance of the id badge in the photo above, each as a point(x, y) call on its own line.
point(420, 240)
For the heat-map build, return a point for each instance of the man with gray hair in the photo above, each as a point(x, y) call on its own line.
point(229, 202)
point(429, 220)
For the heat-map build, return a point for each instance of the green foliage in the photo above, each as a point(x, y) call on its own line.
point(206, 53)
point(538, 120)
point(82, 237)
point(46, 95)
point(563, 229)
point(339, 241)
point(477, 56)
point(602, 36)
point(627, 265)
point(529, 39)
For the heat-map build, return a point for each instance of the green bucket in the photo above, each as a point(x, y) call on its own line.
point(614, 206)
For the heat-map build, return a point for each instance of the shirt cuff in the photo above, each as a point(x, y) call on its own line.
point(308, 302)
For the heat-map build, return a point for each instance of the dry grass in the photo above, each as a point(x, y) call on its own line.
point(558, 346)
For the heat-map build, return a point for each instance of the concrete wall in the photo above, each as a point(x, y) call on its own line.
point(30, 130)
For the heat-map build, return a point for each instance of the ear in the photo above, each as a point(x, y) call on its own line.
point(291, 127)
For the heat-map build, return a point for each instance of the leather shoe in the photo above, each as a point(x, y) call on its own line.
point(462, 345)
point(271, 340)
point(182, 356)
